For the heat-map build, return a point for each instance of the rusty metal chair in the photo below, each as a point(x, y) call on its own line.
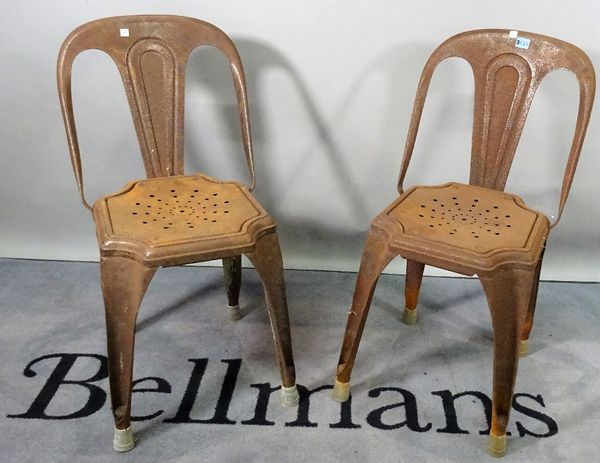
point(477, 229)
point(169, 218)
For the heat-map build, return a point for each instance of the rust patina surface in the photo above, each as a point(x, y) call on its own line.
point(477, 229)
point(169, 218)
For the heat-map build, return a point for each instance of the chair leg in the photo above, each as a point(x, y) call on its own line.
point(414, 276)
point(124, 282)
point(376, 255)
point(508, 293)
point(266, 258)
point(524, 344)
point(232, 269)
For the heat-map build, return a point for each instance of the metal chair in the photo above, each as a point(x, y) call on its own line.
point(169, 218)
point(477, 229)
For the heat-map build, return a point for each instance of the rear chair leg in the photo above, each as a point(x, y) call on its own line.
point(232, 270)
point(414, 276)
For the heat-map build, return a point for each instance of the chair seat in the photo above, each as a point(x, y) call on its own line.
point(188, 218)
point(464, 228)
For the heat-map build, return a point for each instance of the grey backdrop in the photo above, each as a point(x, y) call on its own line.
point(331, 86)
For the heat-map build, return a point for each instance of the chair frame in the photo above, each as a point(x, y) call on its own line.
point(506, 78)
point(151, 53)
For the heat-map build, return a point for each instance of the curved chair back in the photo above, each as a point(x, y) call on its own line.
point(151, 53)
point(507, 71)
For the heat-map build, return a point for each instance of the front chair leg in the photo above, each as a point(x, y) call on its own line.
point(232, 270)
point(376, 255)
point(508, 293)
point(414, 277)
point(266, 258)
point(124, 282)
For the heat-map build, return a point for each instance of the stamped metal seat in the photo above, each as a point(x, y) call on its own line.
point(190, 218)
point(169, 218)
point(477, 229)
point(464, 228)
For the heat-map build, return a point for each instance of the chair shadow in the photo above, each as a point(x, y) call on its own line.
point(436, 305)
point(427, 301)
point(183, 302)
point(259, 58)
point(251, 298)
point(429, 356)
point(310, 236)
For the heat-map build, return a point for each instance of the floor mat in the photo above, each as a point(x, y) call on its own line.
point(206, 386)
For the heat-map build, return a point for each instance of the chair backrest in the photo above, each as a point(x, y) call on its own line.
point(151, 53)
point(507, 70)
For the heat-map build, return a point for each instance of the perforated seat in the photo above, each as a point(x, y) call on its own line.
point(185, 215)
point(479, 228)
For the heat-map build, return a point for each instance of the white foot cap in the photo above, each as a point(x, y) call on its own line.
point(524, 348)
point(409, 317)
point(497, 445)
point(123, 440)
point(234, 312)
point(341, 391)
point(289, 396)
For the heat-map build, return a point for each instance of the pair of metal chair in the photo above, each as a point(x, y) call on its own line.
point(172, 219)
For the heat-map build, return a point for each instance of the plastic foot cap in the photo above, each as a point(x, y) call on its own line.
point(234, 311)
point(289, 396)
point(524, 348)
point(497, 445)
point(341, 391)
point(409, 317)
point(123, 440)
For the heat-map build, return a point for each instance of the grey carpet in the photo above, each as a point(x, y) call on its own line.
point(52, 308)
